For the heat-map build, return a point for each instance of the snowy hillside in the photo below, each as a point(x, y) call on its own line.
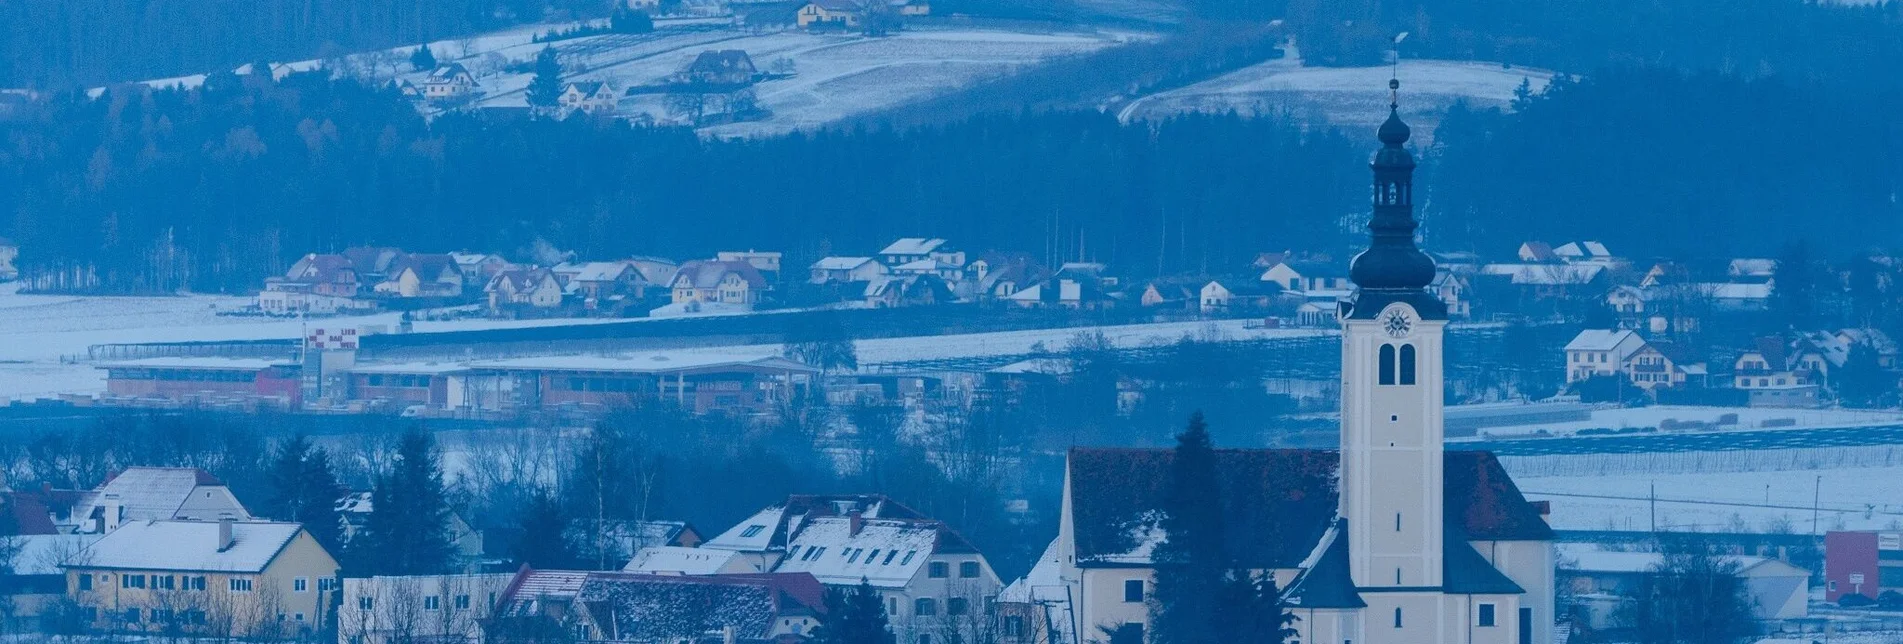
point(1352, 97)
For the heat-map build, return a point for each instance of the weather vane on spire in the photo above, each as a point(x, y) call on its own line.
point(1394, 72)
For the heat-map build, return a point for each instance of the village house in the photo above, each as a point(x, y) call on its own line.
point(841, 270)
point(478, 268)
point(632, 536)
point(1584, 252)
point(1788, 371)
point(1536, 252)
point(1068, 288)
point(683, 560)
point(465, 542)
point(1173, 293)
point(1603, 583)
point(1659, 365)
point(418, 608)
point(519, 290)
point(936, 586)
point(730, 283)
point(213, 578)
point(1451, 289)
point(829, 14)
point(718, 68)
point(998, 275)
point(894, 291)
point(1600, 352)
point(1303, 276)
point(450, 83)
point(912, 249)
point(315, 284)
point(626, 607)
point(588, 97)
point(1751, 268)
point(32, 586)
point(422, 275)
point(373, 264)
point(599, 285)
point(1236, 295)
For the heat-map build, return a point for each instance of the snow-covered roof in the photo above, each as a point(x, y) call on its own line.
point(1736, 291)
point(1582, 250)
point(840, 263)
point(1751, 266)
point(593, 271)
point(412, 368)
point(677, 560)
point(43, 554)
point(649, 363)
point(912, 246)
point(148, 493)
point(1043, 583)
point(1601, 339)
point(188, 546)
point(751, 535)
point(180, 362)
point(1588, 558)
point(921, 265)
point(886, 553)
point(1546, 274)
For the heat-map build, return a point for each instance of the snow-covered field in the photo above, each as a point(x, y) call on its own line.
point(1747, 418)
point(1848, 498)
point(1346, 96)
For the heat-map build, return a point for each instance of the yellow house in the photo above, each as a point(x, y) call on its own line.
point(837, 13)
point(730, 282)
point(215, 578)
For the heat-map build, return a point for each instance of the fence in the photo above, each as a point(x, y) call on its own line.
point(1812, 458)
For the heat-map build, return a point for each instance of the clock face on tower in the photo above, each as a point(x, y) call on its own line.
point(1397, 323)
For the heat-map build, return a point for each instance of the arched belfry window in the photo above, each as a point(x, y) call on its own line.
point(1387, 364)
point(1407, 364)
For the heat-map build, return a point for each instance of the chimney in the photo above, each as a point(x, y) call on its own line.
point(225, 521)
point(112, 511)
point(855, 521)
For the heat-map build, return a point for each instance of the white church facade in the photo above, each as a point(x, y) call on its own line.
point(1390, 540)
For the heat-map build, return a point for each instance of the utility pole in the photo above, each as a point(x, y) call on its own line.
point(1817, 494)
point(1654, 510)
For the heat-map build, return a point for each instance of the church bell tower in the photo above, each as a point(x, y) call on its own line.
point(1391, 451)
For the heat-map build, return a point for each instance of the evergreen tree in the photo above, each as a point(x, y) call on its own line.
point(819, 340)
point(1862, 380)
point(407, 532)
point(854, 616)
point(1252, 610)
point(545, 90)
point(1192, 561)
point(305, 490)
point(423, 59)
point(1794, 290)
point(629, 21)
point(543, 540)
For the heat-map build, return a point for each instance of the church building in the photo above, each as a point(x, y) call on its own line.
point(1390, 540)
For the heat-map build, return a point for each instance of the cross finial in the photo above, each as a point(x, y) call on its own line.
point(1394, 93)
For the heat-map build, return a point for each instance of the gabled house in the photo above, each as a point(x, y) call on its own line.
point(478, 268)
point(1304, 276)
point(1451, 289)
point(451, 82)
point(353, 510)
point(912, 249)
point(588, 97)
point(919, 289)
point(138, 494)
point(1664, 365)
point(765, 261)
point(681, 560)
point(224, 577)
point(1600, 352)
point(997, 275)
point(598, 285)
point(1583, 252)
point(1537, 252)
point(734, 283)
point(1223, 295)
point(1603, 582)
point(396, 609)
point(1785, 372)
point(1172, 292)
point(829, 14)
point(520, 289)
point(422, 275)
point(1876, 341)
point(1751, 267)
point(1071, 290)
point(550, 605)
point(723, 67)
point(332, 275)
point(840, 270)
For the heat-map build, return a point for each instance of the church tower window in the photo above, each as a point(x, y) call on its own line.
point(1387, 364)
point(1407, 364)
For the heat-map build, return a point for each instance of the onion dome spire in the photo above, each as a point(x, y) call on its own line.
point(1392, 262)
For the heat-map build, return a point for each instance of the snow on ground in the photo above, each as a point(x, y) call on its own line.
point(1346, 96)
point(40, 334)
point(1747, 418)
point(1849, 498)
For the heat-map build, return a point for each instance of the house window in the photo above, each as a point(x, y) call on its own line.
point(957, 606)
point(939, 570)
point(132, 615)
point(1397, 610)
point(1132, 590)
point(751, 530)
point(1387, 364)
point(1013, 626)
point(1526, 626)
point(195, 583)
point(237, 585)
point(874, 555)
point(925, 607)
point(131, 581)
point(1407, 364)
point(326, 584)
point(892, 606)
point(85, 581)
point(891, 553)
point(432, 602)
point(1397, 522)
point(364, 603)
point(462, 602)
point(1485, 618)
point(300, 585)
point(906, 560)
point(968, 570)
